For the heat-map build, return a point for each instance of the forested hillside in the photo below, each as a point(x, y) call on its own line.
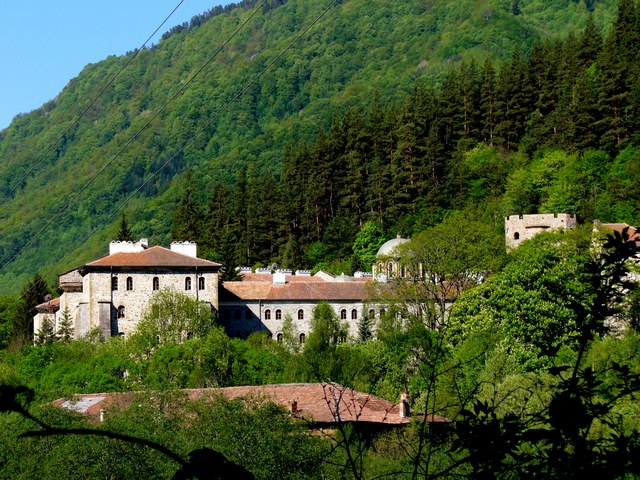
point(368, 117)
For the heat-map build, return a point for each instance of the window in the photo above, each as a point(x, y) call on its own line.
point(278, 314)
point(120, 313)
point(389, 268)
point(372, 314)
point(516, 236)
point(201, 283)
point(300, 314)
point(114, 283)
point(129, 283)
point(302, 337)
point(187, 283)
point(156, 283)
point(343, 314)
point(279, 338)
point(267, 314)
point(354, 314)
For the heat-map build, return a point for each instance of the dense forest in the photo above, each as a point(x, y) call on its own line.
point(550, 132)
point(362, 59)
point(536, 358)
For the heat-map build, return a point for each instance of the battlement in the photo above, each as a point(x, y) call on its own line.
point(518, 228)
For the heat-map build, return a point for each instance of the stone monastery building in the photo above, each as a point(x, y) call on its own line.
point(113, 292)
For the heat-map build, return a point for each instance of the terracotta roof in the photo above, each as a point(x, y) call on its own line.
point(294, 290)
point(618, 227)
point(52, 305)
point(314, 402)
point(151, 257)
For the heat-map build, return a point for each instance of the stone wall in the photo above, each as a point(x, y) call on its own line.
point(518, 228)
point(97, 292)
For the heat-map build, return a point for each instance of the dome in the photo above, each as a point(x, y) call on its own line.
point(387, 248)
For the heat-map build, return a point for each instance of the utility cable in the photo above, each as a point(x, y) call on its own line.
point(128, 142)
point(191, 140)
point(86, 109)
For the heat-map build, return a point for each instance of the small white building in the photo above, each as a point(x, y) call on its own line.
point(112, 293)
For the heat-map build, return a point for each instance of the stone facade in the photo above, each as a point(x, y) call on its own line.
point(518, 228)
point(112, 293)
point(262, 301)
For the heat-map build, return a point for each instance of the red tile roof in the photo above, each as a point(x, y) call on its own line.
point(311, 289)
point(151, 257)
point(52, 305)
point(314, 402)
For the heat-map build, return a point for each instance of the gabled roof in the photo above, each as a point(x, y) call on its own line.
point(51, 306)
point(151, 257)
point(317, 403)
point(294, 289)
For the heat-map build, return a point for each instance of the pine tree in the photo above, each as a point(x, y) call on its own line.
point(365, 328)
point(187, 223)
point(32, 294)
point(124, 231)
point(487, 102)
point(46, 335)
point(65, 326)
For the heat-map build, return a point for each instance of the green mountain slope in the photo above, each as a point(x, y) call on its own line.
point(361, 48)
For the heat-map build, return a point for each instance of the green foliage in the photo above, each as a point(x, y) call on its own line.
point(65, 326)
point(392, 161)
point(366, 244)
point(530, 304)
point(32, 294)
point(173, 317)
point(124, 231)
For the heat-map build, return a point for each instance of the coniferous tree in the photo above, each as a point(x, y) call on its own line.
point(32, 294)
point(187, 223)
point(124, 231)
point(487, 102)
point(65, 326)
point(47, 333)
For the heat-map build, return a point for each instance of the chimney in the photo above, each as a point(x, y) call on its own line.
point(102, 413)
point(293, 406)
point(189, 249)
point(404, 404)
point(279, 278)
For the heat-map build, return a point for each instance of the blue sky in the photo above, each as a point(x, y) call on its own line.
point(46, 43)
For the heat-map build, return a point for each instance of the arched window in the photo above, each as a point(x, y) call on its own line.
point(354, 314)
point(236, 314)
point(372, 314)
point(156, 283)
point(279, 338)
point(343, 314)
point(129, 283)
point(114, 283)
point(302, 337)
point(383, 312)
point(389, 268)
point(516, 236)
point(300, 314)
point(267, 314)
point(278, 314)
point(187, 283)
point(201, 283)
point(120, 312)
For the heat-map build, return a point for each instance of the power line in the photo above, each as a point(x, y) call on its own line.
point(128, 142)
point(86, 109)
point(191, 140)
